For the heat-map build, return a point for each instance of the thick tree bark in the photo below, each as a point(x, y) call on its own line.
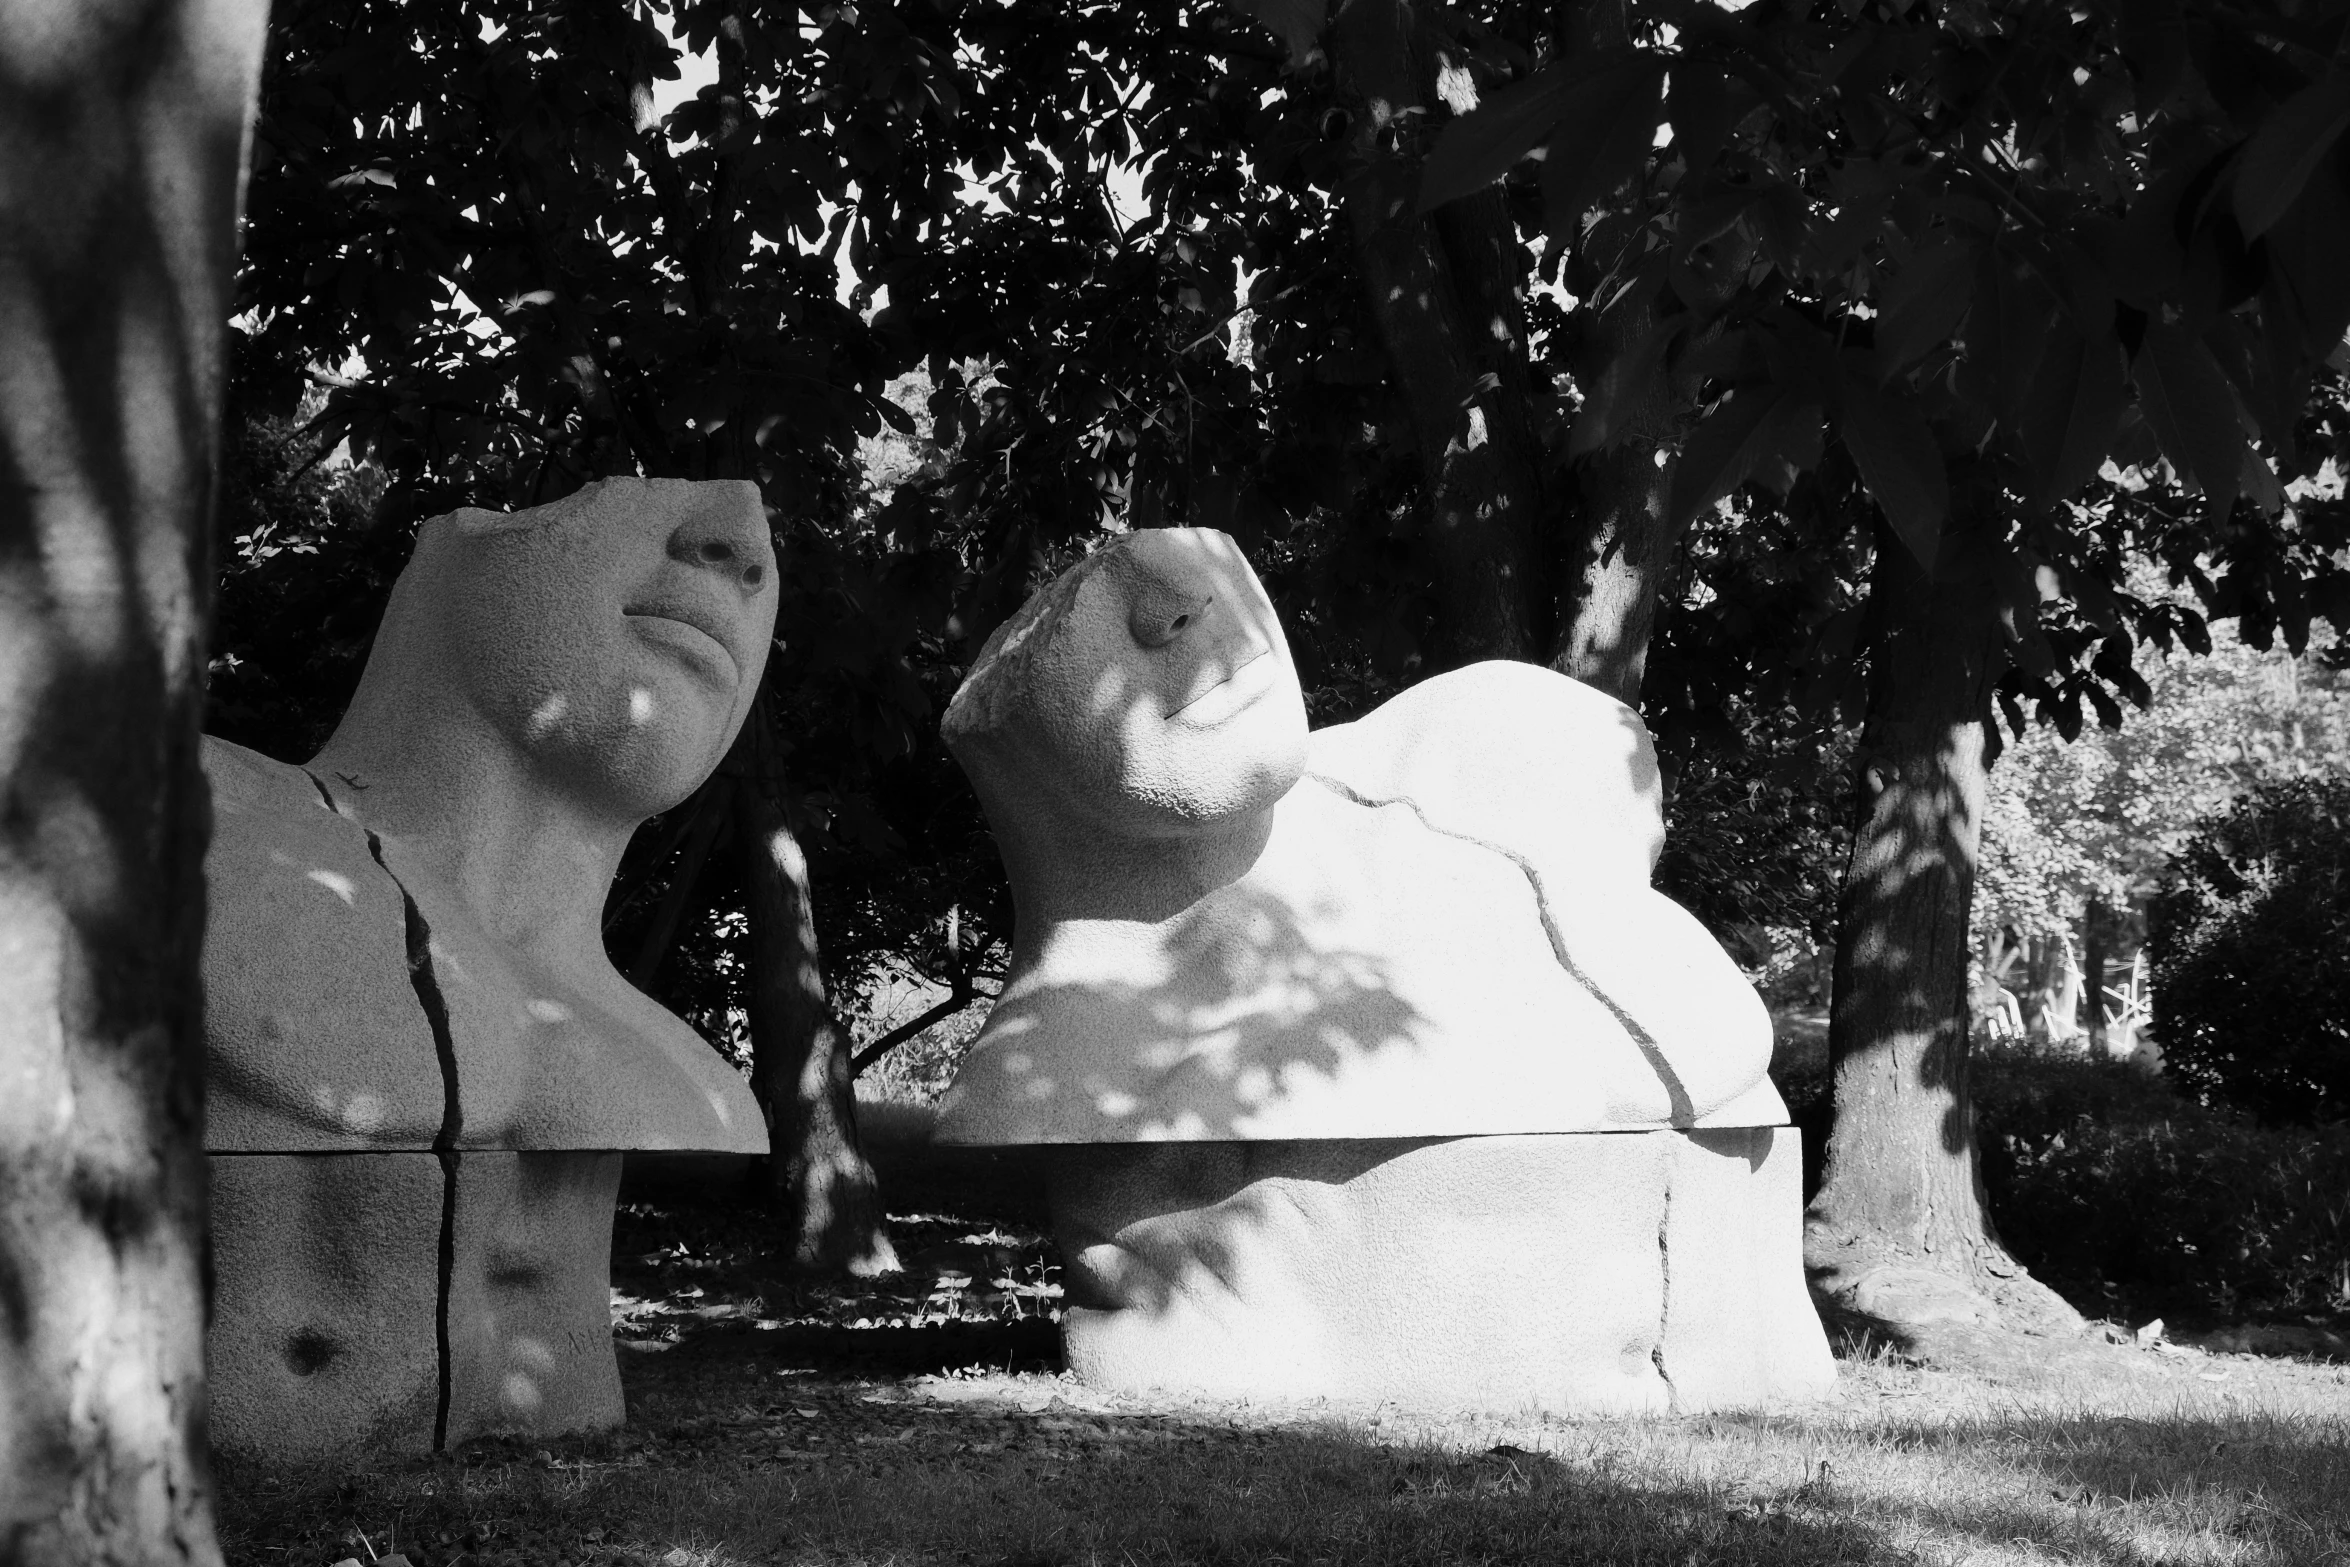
point(1478, 470)
point(1902, 1196)
point(1618, 545)
point(1615, 538)
point(122, 141)
point(823, 1189)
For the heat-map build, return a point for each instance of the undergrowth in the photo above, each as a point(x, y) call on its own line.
point(2113, 1187)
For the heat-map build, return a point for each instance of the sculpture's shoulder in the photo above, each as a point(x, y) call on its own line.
point(1537, 764)
point(553, 1049)
point(577, 1057)
point(315, 1038)
point(330, 960)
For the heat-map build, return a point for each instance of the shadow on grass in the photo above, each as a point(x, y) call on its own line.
point(740, 1451)
point(1005, 1348)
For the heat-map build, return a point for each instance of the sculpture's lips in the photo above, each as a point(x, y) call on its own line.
point(1232, 693)
point(686, 629)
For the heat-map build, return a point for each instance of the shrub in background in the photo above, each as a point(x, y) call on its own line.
point(2128, 1196)
point(2249, 945)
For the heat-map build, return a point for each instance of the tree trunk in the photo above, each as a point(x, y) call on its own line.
point(1477, 461)
point(2096, 940)
point(1620, 544)
point(823, 1190)
point(122, 138)
point(1897, 1232)
point(1616, 541)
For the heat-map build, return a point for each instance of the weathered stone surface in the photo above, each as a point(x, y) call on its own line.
point(1580, 1273)
point(542, 682)
point(417, 1043)
point(325, 1277)
point(1366, 1063)
point(315, 1037)
point(1435, 921)
point(530, 1312)
point(324, 1334)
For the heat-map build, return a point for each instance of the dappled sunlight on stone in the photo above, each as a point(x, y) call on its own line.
point(1303, 1027)
point(413, 1023)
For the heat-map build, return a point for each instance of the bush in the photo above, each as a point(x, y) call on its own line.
point(2119, 1191)
point(2249, 942)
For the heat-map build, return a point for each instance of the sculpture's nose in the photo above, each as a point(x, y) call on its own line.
point(1163, 611)
point(728, 536)
point(1188, 582)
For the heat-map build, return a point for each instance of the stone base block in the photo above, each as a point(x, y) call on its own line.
point(1598, 1272)
point(380, 1300)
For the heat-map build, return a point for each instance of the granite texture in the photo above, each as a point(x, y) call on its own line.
point(1434, 921)
point(325, 1335)
point(421, 1063)
point(325, 1280)
point(1365, 1063)
point(1594, 1273)
point(538, 688)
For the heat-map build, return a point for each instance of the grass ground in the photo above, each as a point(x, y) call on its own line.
point(923, 1422)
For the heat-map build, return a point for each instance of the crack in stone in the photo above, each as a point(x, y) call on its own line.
point(1684, 1109)
point(425, 981)
point(1664, 1296)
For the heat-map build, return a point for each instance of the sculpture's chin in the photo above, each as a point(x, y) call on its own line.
point(1203, 801)
point(633, 770)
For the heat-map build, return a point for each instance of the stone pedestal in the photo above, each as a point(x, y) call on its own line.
point(1585, 1272)
point(399, 1302)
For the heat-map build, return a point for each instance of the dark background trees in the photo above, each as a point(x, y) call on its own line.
point(1810, 372)
point(2256, 1013)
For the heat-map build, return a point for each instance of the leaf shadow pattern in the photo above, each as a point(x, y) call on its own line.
point(1254, 1006)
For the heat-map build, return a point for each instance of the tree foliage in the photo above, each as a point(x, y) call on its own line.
point(2247, 938)
point(1486, 329)
point(1919, 249)
point(2099, 817)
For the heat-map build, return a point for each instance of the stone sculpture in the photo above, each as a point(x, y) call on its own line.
point(423, 1069)
point(1314, 1030)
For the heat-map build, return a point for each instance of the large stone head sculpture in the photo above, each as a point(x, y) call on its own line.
point(1147, 694)
point(423, 1068)
point(1300, 1028)
point(610, 641)
point(1436, 919)
point(542, 682)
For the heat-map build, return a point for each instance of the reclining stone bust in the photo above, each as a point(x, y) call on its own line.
point(422, 1067)
point(1305, 1022)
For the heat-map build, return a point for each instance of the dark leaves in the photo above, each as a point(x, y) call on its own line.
point(1894, 448)
point(1603, 109)
point(2072, 413)
point(1747, 429)
point(1927, 298)
point(2290, 145)
point(2186, 399)
point(1602, 139)
point(1482, 145)
point(1297, 23)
